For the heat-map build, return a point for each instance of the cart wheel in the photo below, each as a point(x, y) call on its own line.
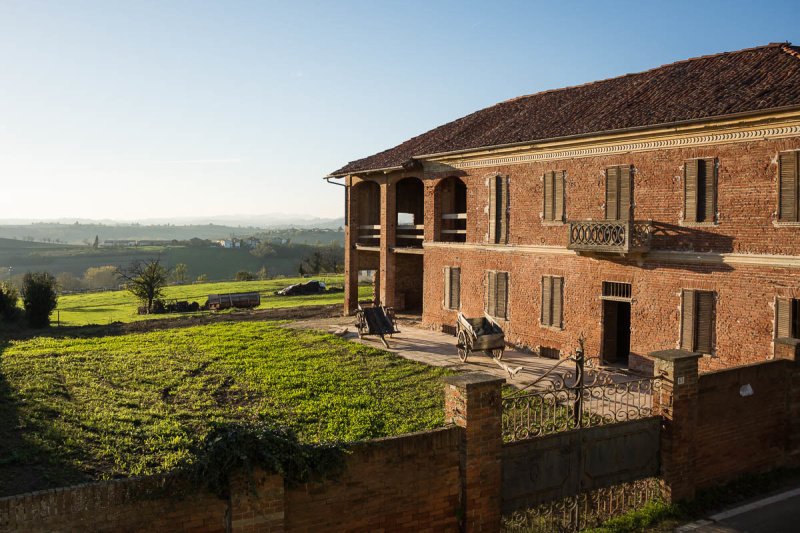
point(497, 353)
point(463, 347)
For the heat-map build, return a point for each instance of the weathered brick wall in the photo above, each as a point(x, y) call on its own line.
point(738, 433)
point(145, 504)
point(406, 483)
point(747, 198)
point(744, 309)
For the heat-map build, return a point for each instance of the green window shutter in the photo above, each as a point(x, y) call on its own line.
point(710, 189)
point(783, 318)
point(558, 299)
point(687, 320)
point(690, 173)
point(704, 311)
point(558, 196)
point(447, 291)
point(788, 190)
point(455, 288)
point(491, 292)
point(625, 192)
point(502, 295)
point(612, 193)
point(547, 301)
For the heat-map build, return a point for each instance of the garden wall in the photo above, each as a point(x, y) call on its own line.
point(406, 483)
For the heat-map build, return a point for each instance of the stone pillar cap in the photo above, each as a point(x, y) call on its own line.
point(472, 378)
point(674, 355)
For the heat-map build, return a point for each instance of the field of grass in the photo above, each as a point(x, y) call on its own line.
point(92, 408)
point(113, 306)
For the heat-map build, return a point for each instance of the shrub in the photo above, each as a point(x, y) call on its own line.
point(8, 301)
point(236, 446)
point(244, 275)
point(39, 297)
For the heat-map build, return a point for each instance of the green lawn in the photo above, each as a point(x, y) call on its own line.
point(78, 409)
point(112, 306)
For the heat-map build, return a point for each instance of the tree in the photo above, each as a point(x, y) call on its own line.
point(145, 280)
point(244, 275)
point(263, 273)
point(262, 250)
point(96, 243)
point(68, 282)
point(180, 272)
point(102, 277)
point(39, 297)
point(202, 278)
point(8, 301)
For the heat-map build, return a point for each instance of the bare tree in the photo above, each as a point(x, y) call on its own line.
point(145, 280)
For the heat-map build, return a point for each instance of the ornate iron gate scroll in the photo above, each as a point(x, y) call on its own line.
point(585, 430)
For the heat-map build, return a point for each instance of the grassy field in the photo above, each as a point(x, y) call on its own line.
point(112, 306)
point(78, 409)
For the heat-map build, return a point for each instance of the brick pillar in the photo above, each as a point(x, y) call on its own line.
point(350, 256)
point(388, 230)
point(789, 349)
point(260, 510)
point(676, 402)
point(473, 401)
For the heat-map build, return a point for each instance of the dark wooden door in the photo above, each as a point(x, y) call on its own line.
point(610, 336)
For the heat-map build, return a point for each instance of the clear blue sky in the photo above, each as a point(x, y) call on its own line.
point(241, 107)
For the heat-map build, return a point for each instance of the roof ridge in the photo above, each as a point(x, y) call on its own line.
point(785, 46)
point(791, 50)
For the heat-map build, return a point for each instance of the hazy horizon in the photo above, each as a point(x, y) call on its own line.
point(157, 110)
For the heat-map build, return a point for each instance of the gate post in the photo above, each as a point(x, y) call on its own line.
point(474, 402)
point(676, 401)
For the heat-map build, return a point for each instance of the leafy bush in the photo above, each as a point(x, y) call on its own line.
point(8, 301)
point(244, 275)
point(39, 297)
point(236, 446)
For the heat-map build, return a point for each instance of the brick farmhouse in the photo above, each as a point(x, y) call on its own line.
point(652, 211)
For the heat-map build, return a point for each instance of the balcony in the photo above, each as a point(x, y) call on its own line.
point(610, 236)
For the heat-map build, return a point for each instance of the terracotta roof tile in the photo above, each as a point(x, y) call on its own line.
point(749, 80)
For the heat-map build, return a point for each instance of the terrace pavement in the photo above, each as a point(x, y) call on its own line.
point(436, 348)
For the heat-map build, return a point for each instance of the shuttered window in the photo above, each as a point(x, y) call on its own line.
point(700, 190)
point(452, 288)
point(789, 187)
point(552, 301)
point(619, 193)
point(497, 294)
point(697, 321)
point(787, 318)
point(554, 197)
point(498, 210)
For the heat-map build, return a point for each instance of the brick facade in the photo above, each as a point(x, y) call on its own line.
point(746, 258)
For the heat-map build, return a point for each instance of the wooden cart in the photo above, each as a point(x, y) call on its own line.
point(481, 333)
point(377, 320)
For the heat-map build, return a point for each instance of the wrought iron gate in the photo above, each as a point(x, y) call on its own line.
point(559, 465)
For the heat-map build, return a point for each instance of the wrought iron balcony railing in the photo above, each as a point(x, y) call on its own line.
point(610, 236)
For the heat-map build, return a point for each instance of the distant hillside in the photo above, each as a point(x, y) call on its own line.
point(77, 233)
point(214, 262)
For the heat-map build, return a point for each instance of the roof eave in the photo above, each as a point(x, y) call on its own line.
point(439, 155)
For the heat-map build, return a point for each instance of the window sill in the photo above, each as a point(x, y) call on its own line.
point(551, 328)
point(786, 224)
point(553, 223)
point(687, 224)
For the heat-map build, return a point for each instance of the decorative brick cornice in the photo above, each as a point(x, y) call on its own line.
point(766, 127)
